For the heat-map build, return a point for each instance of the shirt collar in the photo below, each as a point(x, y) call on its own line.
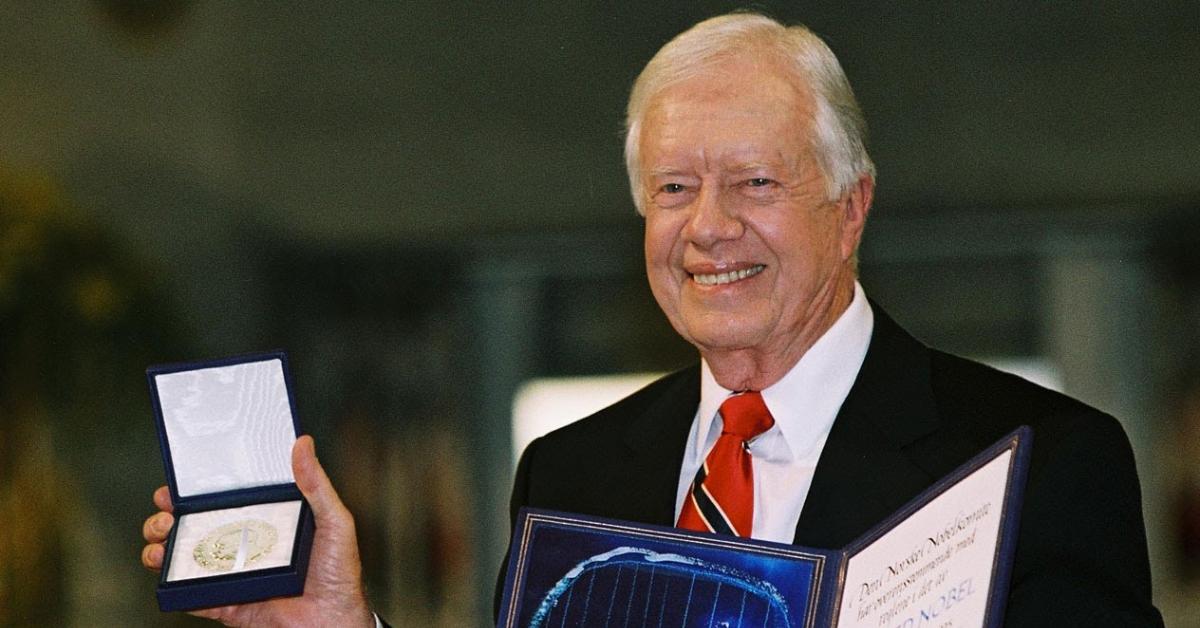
point(806, 400)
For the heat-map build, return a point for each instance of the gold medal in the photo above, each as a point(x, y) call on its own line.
point(235, 546)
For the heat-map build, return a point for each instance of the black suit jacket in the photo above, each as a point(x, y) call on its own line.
point(913, 415)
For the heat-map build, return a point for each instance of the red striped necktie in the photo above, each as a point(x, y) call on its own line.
point(721, 498)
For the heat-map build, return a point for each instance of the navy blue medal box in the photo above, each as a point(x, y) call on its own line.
point(242, 531)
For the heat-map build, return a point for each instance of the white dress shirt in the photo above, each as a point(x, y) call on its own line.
point(804, 403)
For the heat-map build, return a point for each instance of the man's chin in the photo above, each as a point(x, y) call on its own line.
point(723, 339)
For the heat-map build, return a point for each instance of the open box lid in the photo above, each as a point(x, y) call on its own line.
point(225, 426)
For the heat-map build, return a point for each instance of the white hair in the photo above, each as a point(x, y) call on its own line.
point(839, 130)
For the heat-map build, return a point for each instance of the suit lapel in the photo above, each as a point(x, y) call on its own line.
point(657, 438)
point(866, 470)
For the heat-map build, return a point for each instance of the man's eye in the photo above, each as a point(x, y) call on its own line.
point(759, 182)
point(672, 188)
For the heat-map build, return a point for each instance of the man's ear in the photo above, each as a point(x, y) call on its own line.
point(855, 206)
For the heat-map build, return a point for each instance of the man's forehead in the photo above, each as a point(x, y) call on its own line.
point(718, 99)
point(735, 134)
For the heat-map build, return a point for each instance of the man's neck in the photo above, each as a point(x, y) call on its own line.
point(756, 368)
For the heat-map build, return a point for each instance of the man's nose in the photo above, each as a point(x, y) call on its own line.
point(714, 218)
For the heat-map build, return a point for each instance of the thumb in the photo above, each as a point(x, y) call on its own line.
point(314, 484)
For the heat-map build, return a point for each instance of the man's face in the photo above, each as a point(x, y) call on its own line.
point(744, 251)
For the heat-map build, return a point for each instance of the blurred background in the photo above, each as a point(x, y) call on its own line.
point(425, 204)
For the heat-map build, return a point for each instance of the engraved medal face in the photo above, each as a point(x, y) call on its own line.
point(235, 546)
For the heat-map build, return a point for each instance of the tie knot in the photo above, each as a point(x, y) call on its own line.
point(745, 415)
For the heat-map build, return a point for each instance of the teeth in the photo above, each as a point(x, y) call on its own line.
point(729, 277)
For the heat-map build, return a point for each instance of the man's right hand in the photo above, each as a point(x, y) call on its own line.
point(333, 590)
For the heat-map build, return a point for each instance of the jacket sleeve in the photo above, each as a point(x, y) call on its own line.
point(1081, 555)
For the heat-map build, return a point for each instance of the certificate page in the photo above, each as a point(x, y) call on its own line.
point(935, 567)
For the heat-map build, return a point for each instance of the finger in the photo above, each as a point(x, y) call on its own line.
point(157, 526)
point(327, 507)
point(212, 613)
point(152, 556)
point(162, 499)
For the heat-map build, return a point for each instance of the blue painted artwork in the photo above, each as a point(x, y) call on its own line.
point(637, 587)
point(591, 573)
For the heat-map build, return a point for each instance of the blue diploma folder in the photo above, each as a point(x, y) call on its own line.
point(945, 556)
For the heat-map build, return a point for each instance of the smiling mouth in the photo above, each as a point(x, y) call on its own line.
point(718, 279)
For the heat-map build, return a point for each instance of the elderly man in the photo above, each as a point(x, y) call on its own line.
point(816, 414)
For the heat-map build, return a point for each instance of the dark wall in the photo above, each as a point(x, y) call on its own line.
point(363, 119)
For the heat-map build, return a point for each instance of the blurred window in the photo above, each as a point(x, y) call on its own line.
point(545, 404)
